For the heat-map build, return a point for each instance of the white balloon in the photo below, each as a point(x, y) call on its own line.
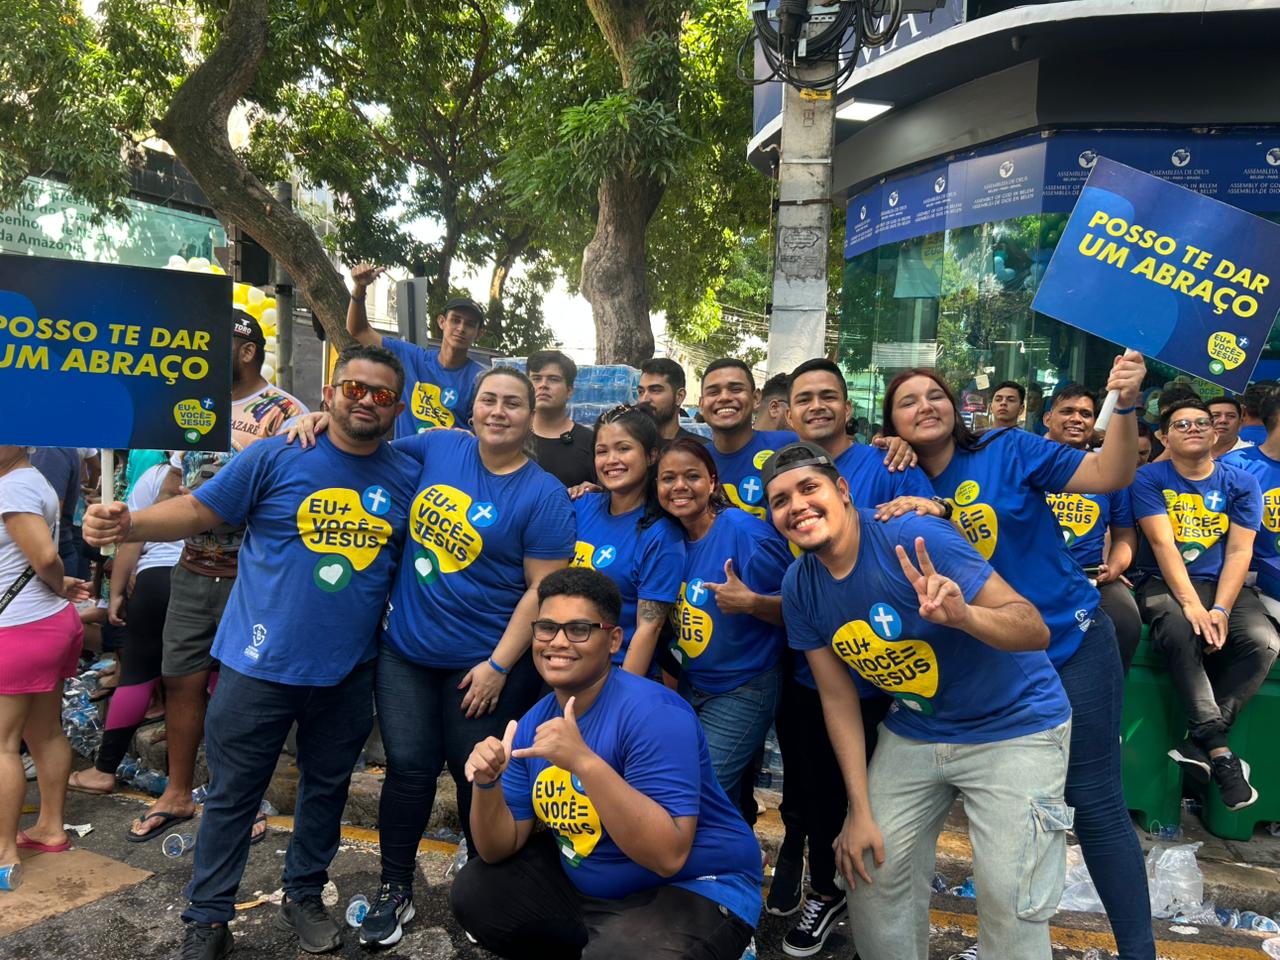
point(268, 317)
point(255, 296)
point(268, 373)
point(271, 344)
point(176, 263)
point(198, 263)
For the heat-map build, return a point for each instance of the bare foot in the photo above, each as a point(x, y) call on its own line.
point(49, 836)
point(91, 780)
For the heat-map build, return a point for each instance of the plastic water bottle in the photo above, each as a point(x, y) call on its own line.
point(459, 859)
point(1165, 831)
point(750, 952)
point(10, 876)
point(1229, 919)
point(965, 889)
point(200, 794)
point(356, 910)
point(151, 781)
point(177, 845)
point(1254, 921)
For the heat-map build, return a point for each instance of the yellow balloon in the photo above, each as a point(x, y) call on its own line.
point(214, 268)
point(269, 303)
point(254, 309)
point(240, 294)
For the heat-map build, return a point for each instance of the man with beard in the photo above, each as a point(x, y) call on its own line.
point(323, 531)
point(204, 575)
point(1086, 519)
point(662, 392)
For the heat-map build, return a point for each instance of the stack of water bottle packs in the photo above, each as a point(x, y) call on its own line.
point(597, 388)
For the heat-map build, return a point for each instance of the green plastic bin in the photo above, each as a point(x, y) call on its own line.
point(1253, 738)
point(1152, 723)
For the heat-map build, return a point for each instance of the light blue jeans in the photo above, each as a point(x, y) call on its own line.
point(735, 724)
point(1013, 797)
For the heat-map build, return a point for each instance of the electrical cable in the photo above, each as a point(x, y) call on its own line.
point(872, 23)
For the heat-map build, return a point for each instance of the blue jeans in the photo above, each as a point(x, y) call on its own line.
point(245, 729)
point(735, 724)
point(1012, 792)
point(423, 729)
point(1094, 682)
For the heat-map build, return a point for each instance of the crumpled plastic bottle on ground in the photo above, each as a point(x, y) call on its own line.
point(1078, 892)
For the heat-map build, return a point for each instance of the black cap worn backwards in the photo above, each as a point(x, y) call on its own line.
point(467, 304)
point(802, 453)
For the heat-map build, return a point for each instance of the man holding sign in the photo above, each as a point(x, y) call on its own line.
point(646, 856)
point(323, 531)
point(1200, 519)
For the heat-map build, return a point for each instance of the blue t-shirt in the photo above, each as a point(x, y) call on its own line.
point(870, 484)
point(1254, 433)
point(1083, 519)
point(653, 739)
point(1266, 546)
point(947, 686)
point(323, 535)
point(999, 505)
point(470, 531)
point(645, 564)
point(721, 651)
point(1200, 512)
point(740, 472)
point(435, 395)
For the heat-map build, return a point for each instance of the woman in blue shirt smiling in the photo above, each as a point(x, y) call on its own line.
point(624, 534)
point(728, 621)
point(993, 489)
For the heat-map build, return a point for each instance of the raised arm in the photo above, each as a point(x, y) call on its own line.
point(1113, 466)
point(362, 274)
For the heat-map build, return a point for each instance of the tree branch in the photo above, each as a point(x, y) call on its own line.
point(195, 126)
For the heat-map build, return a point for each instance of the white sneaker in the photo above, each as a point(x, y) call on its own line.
point(969, 954)
point(28, 766)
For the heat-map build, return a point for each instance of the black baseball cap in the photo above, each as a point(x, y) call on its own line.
point(802, 453)
point(465, 303)
point(244, 326)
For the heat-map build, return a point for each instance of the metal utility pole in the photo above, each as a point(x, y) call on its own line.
point(798, 328)
point(284, 304)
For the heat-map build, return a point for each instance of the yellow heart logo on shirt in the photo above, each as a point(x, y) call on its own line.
point(560, 802)
point(895, 666)
point(441, 521)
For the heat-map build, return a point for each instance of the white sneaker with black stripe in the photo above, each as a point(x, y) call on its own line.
point(817, 919)
point(969, 954)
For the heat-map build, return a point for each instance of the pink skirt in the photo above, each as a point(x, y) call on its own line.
point(36, 657)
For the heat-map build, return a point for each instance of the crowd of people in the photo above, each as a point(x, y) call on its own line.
point(593, 627)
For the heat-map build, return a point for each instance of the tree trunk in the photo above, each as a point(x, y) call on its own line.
point(614, 279)
point(195, 126)
point(511, 251)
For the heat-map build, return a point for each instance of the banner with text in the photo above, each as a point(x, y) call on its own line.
point(99, 355)
point(1166, 271)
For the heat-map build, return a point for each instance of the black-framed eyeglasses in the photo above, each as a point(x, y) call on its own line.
point(616, 413)
point(1185, 424)
point(355, 390)
point(577, 631)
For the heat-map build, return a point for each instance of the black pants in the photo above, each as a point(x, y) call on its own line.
point(139, 665)
point(814, 803)
point(423, 729)
point(1214, 687)
point(525, 907)
point(1119, 604)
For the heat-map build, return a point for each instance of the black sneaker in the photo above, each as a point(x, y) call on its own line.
point(202, 941)
point(816, 923)
point(1192, 758)
point(1231, 774)
point(317, 932)
point(390, 911)
point(787, 888)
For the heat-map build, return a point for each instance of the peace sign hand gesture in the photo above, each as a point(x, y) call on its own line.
point(941, 600)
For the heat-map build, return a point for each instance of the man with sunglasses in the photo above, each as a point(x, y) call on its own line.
point(1199, 518)
point(323, 532)
point(204, 576)
point(645, 855)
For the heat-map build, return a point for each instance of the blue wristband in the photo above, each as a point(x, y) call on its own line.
point(496, 666)
point(1120, 412)
point(486, 786)
point(1225, 612)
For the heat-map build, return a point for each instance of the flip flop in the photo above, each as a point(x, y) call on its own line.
point(74, 784)
point(26, 843)
point(166, 819)
point(260, 818)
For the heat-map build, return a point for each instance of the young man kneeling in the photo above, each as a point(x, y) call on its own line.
point(645, 856)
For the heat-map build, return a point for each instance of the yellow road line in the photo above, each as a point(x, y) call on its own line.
point(1072, 939)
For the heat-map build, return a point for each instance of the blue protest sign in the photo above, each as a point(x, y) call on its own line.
point(1163, 270)
point(99, 355)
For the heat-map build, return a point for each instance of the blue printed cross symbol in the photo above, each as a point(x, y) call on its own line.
point(887, 622)
point(1244, 343)
point(1214, 500)
point(696, 592)
point(751, 489)
point(483, 514)
point(207, 403)
point(376, 500)
point(604, 556)
point(449, 396)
